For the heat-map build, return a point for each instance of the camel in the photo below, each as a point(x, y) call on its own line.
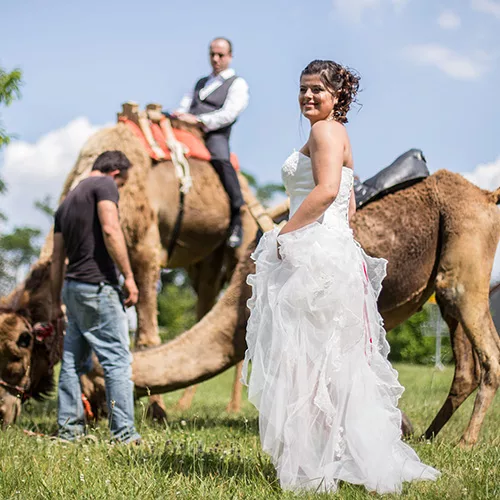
point(148, 210)
point(439, 236)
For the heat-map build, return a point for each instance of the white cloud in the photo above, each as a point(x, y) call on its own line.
point(487, 176)
point(33, 170)
point(456, 65)
point(353, 10)
point(487, 7)
point(449, 20)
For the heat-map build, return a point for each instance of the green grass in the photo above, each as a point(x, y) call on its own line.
point(206, 454)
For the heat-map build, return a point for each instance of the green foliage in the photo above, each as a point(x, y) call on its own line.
point(18, 248)
point(410, 344)
point(10, 89)
point(46, 206)
point(20, 245)
point(264, 192)
point(251, 179)
point(176, 309)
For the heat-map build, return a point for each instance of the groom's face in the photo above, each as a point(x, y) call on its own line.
point(220, 56)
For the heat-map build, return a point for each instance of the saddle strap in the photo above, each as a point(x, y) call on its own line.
point(183, 173)
point(177, 151)
point(177, 228)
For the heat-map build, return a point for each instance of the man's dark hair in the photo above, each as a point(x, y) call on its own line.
point(109, 161)
point(225, 40)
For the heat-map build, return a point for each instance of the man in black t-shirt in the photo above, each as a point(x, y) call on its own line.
point(87, 232)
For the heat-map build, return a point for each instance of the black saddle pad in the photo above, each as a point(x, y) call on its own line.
point(407, 169)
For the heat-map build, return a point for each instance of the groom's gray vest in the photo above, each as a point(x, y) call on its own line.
point(212, 102)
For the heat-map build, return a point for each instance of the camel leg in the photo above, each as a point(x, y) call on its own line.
point(465, 379)
point(479, 328)
point(146, 267)
point(462, 287)
point(406, 425)
point(145, 262)
point(234, 406)
point(186, 399)
point(207, 280)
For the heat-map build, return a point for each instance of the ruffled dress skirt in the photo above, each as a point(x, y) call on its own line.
point(327, 395)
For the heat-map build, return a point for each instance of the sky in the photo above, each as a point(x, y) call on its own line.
point(430, 73)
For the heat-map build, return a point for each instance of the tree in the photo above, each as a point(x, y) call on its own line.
point(3, 190)
point(10, 90)
point(20, 244)
point(46, 206)
point(264, 192)
point(18, 249)
point(410, 344)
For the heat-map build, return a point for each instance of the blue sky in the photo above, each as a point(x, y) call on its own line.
point(430, 77)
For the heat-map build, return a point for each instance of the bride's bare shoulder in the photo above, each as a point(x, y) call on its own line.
point(327, 134)
point(324, 129)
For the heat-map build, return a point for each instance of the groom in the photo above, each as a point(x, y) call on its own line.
point(214, 105)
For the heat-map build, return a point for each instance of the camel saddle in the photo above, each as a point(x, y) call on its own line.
point(407, 169)
point(154, 134)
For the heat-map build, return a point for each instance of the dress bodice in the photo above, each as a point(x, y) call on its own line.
point(299, 182)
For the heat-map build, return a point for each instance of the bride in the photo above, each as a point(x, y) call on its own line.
point(326, 394)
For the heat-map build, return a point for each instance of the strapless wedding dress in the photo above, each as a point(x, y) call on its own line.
point(326, 394)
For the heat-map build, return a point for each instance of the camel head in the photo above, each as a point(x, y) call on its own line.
point(29, 345)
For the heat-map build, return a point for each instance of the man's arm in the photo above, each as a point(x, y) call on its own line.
point(185, 104)
point(236, 102)
point(57, 271)
point(115, 244)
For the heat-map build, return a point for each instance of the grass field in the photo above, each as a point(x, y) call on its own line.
point(204, 453)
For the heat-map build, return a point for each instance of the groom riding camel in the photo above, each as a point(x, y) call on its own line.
point(214, 105)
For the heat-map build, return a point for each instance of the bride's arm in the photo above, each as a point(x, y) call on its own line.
point(326, 146)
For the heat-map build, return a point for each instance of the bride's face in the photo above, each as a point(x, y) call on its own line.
point(315, 100)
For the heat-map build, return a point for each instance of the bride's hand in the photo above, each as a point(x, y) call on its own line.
point(281, 226)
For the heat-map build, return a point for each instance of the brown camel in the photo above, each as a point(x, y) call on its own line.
point(148, 210)
point(28, 354)
point(439, 235)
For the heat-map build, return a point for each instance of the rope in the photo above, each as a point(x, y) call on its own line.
point(178, 150)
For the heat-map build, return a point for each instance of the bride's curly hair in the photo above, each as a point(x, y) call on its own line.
point(341, 81)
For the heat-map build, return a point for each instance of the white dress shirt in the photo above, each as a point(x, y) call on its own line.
point(235, 104)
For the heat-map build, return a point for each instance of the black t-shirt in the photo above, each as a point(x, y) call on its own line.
point(78, 221)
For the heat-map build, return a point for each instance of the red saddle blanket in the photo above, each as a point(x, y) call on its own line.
point(197, 148)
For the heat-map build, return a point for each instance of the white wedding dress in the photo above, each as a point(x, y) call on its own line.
point(326, 394)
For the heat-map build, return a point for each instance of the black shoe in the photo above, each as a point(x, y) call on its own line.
point(235, 236)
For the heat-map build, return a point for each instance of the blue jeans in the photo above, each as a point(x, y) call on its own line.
point(96, 322)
